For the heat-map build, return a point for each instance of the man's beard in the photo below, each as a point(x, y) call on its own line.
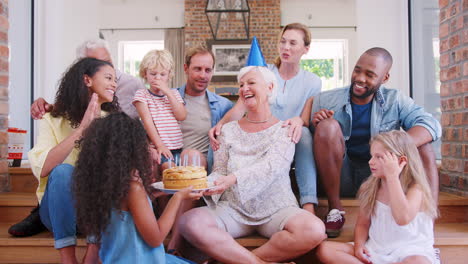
point(369, 92)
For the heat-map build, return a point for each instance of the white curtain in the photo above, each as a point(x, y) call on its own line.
point(174, 42)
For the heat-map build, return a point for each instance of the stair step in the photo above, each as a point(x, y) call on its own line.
point(448, 237)
point(18, 199)
point(22, 180)
point(26, 198)
point(451, 229)
point(16, 206)
point(453, 208)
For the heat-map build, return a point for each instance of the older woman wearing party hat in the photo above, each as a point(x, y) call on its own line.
point(296, 88)
point(252, 190)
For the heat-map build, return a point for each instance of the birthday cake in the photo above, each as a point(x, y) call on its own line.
point(184, 176)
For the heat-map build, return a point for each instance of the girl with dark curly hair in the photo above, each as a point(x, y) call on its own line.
point(85, 89)
point(110, 186)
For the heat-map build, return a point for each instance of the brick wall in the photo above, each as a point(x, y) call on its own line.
point(264, 23)
point(453, 33)
point(4, 63)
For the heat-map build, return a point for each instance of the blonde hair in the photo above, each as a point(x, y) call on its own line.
point(267, 75)
point(157, 58)
point(297, 26)
point(401, 144)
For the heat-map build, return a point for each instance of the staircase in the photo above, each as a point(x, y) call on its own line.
point(451, 229)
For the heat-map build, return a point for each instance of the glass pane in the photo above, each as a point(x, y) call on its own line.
point(425, 86)
point(327, 59)
point(132, 52)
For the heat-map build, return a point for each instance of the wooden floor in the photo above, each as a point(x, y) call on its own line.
point(451, 229)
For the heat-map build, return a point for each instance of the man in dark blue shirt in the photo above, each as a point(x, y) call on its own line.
point(345, 119)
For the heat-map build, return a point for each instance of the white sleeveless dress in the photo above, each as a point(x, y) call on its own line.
point(389, 242)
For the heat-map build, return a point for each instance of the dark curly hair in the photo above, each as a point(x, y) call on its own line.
point(112, 150)
point(73, 96)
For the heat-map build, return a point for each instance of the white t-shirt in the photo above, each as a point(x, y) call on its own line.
point(197, 124)
point(292, 94)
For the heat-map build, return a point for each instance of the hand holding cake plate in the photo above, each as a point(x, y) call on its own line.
point(182, 173)
point(160, 186)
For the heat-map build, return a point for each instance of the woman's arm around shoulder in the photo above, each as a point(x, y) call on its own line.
point(236, 113)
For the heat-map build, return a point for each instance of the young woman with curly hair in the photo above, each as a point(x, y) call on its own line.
point(110, 186)
point(85, 89)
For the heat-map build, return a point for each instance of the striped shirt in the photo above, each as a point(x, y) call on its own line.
point(163, 117)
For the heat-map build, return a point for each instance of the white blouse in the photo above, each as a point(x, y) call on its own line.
point(261, 162)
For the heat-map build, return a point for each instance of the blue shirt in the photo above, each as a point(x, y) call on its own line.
point(358, 144)
point(391, 110)
point(219, 106)
point(121, 243)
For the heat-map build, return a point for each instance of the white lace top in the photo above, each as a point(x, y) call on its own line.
point(261, 163)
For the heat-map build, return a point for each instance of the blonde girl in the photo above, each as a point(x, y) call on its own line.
point(159, 107)
point(397, 210)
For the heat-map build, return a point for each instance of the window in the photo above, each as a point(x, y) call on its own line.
point(20, 86)
point(328, 59)
point(131, 54)
point(424, 51)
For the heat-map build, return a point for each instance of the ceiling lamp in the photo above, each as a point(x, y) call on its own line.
point(228, 19)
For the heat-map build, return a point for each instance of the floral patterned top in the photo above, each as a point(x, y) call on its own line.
point(261, 162)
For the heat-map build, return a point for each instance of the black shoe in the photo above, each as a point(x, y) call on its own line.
point(29, 226)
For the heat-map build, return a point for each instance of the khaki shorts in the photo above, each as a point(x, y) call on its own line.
point(227, 223)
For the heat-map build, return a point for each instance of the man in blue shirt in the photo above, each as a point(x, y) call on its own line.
point(204, 108)
point(344, 120)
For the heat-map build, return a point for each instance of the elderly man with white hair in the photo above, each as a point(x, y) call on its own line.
point(127, 85)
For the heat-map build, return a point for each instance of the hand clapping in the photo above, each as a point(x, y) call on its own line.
point(93, 111)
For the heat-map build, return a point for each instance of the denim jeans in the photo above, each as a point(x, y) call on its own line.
point(306, 174)
point(353, 174)
point(57, 208)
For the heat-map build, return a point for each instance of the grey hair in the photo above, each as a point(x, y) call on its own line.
point(81, 50)
point(267, 75)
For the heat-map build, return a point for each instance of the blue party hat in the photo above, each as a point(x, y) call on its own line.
point(255, 55)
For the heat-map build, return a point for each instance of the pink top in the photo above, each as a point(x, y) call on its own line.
point(163, 117)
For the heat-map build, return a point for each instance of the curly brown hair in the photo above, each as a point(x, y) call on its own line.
point(72, 97)
point(113, 149)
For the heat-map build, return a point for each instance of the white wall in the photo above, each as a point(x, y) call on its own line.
point(60, 26)
point(318, 13)
point(141, 14)
point(384, 23)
